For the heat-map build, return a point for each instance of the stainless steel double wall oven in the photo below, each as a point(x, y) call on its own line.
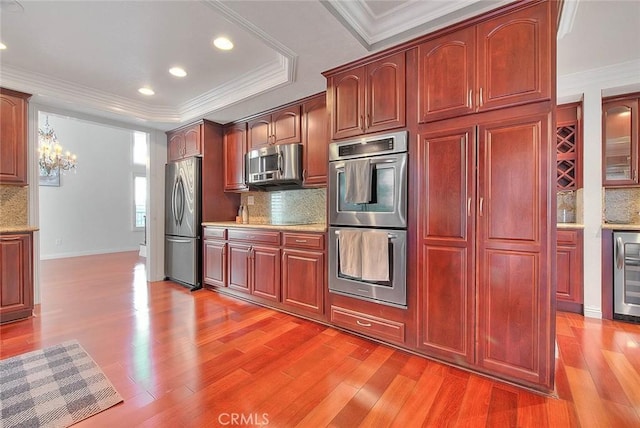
point(384, 210)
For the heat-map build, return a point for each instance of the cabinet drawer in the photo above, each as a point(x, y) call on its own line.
point(368, 324)
point(261, 236)
point(568, 236)
point(303, 240)
point(215, 233)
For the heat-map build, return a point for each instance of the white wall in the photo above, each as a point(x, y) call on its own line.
point(91, 211)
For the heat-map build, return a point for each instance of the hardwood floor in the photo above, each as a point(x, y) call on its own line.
point(201, 359)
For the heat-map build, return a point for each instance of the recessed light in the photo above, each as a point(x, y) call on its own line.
point(177, 71)
point(2, 46)
point(146, 91)
point(223, 43)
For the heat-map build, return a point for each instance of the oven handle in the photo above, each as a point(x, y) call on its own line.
point(340, 166)
point(389, 235)
point(619, 253)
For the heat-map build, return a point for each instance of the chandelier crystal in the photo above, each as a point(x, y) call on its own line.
point(51, 157)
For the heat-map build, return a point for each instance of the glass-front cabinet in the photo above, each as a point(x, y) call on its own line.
point(620, 141)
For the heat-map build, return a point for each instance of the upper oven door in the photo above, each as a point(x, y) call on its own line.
point(388, 207)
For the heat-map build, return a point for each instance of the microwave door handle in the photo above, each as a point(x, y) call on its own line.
point(280, 162)
point(619, 253)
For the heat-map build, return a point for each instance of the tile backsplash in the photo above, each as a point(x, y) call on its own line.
point(302, 206)
point(13, 205)
point(622, 206)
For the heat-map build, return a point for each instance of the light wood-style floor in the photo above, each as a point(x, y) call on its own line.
point(204, 360)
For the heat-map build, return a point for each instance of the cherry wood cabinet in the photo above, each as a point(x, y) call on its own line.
point(484, 283)
point(569, 146)
point(13, 134)
point(254, 268)
point(279, 127)
point(235, 146)
point(214, 257)
point(185, 142)
point(315, 140)
point(368, 98)
point(303, 272)
point(16, 278)
point(569, 270)
point(499, 62)
point(620, 134)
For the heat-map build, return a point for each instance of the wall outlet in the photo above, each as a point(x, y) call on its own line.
point(250, 200)
point(58, 242)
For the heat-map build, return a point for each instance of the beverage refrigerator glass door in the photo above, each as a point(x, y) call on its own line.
point(626, 287)
point(386, 205)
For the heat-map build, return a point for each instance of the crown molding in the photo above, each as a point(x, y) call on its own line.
point(567, 17)
point(610, 76)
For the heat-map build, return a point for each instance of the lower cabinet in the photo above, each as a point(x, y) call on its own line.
point(214, 257)
point(303, 272)
point(16, 278)
point(569, 271)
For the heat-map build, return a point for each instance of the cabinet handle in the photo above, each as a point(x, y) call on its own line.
point(360, 123)
point(363, 324)
point(470, 99)
point(635, 175)
point(481, 102)
point(302, 241)
point(469, 207)
point(304, 175)
point(481, 205)
point(368, 120)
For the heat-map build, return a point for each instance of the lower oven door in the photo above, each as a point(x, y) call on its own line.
point(392, 292)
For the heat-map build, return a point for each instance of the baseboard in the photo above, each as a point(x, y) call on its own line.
point(592, 312)
point(88, 253)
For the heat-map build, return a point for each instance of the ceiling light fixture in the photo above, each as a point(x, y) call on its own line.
point(146, 91)
point(2, 46)
point(223, 43)
point(178, 72)
point(51, 159)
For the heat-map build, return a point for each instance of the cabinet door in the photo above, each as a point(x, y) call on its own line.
point(515, 316)
point(285, 126)
point(385, 93)
point(259, 132)
point(175, 146)
point(215, 263)
point(238, 270)
point(620, 142)
point(569, 270)
point(192, 141)
point(13, 131)
point(347, 108)
point(514, 57)
point(234, 148)
point(446, 192)
point(266, 272)
point(303, 280)
point(16, 284)
point(315, 121)
point(446, 70)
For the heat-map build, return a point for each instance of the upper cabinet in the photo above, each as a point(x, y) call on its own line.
point(279, 127)
point(368, 98)
point(235, 146)
point(184, 142)
point(315, 138)
point(13, 131)
point(496, 63)
point(569, 146)
point(620, 141)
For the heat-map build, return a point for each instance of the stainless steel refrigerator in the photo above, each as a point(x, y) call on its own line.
point(626, 276)
point(182, 221)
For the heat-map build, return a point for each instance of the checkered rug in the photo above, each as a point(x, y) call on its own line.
point(53, 387)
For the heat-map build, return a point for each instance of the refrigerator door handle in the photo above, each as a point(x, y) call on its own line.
point(619, 253)
point(174, 208)
point(182, 201)
point(178, 241)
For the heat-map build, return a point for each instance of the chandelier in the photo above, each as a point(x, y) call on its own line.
point(51, 158)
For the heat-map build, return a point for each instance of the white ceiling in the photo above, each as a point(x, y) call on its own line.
point(92, 56)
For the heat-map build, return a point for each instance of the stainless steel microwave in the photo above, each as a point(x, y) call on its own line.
point(275, 167)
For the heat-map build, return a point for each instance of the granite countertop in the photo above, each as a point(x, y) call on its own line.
point(316, 227)
point(570, 226)
point(18, 229)
point(621, 226)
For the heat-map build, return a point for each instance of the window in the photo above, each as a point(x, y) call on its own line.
point(139, 157)
point(140, 197)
